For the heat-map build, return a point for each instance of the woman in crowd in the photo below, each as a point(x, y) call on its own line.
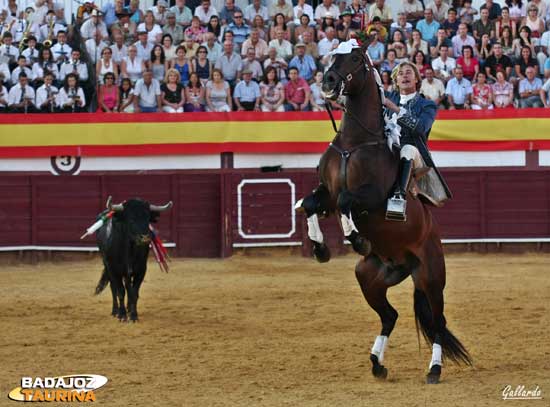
point(218, 94)
point(526, 59)
point(214, 27)
point(469, 63)
point(507, 42)
point(317, 98)
point(108, 98)
point(416, 43)
point(105, 65)
point(421, 63)
point(132, 66)
point(503, 91)
point(201, 65)
point(505, 21)
point(168, 47)
point(194, 94)
point(259, 24)
point(44, 64)
point(181, 64)
point(303, 27)
point(482, 94)
point(387, 82)
point(279, 22)
point(517, 10)
point(390, 62)
point(126, 97)
point(328, 21)
point(136, 15)
point(195, 31)
point(272, 91)
point(484, 49)
point(70, 98)
point(172, 94)
point(533, 21)
point(398, 44)
point(154, 32)
point(158, 63)
point(524, 40)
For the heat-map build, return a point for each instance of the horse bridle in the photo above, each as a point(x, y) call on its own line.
point(363, 64)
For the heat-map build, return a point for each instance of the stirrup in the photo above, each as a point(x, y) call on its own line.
point(396, 208)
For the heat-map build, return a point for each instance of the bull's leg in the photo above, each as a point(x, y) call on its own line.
point(132, 298)
point(114, 311)
point(136, 284)
point(345, 205)
point(118, 287)
point(314, 205)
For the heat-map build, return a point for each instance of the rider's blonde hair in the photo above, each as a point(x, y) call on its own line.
point(415, 70)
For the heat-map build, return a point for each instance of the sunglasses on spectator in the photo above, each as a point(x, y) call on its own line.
point(237, 16)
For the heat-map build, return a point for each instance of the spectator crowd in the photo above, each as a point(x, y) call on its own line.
point(264, 55)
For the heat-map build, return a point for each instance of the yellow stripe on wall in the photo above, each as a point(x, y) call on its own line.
point(28, 135)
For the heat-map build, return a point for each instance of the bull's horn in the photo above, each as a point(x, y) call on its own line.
point(162, 208)
point(114, 207)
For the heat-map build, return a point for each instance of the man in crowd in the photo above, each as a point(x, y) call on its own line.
point(230, 64)
point(444, 65)
point(459, 91)
point(428, 27)
point(182, 14)
point(461, 39)
point(304, 63)
point(147, 94)
point(433, 89)
point(297, 92)
point(529, 89)
point(213, 47)
point(259, 45)
point(497, 61)
point(254, 9)
point(247, 93)
point(21, 96)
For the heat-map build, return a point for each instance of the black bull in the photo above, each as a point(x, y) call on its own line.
point(123, 242)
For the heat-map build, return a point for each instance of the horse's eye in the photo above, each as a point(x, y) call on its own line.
point(355, 58)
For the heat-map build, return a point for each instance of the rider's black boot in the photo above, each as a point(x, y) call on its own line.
point(397, 205)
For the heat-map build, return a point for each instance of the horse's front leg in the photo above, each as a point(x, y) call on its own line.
point(313, 205)
point(345, 204)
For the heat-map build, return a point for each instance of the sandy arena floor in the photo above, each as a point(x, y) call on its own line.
point(275, 330)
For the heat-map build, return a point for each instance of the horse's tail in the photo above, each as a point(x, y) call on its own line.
point(450, 345)
point(102, 283)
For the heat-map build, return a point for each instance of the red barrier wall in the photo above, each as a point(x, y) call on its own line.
point(42, 210)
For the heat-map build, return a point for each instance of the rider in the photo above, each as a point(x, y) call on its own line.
point(415, 116)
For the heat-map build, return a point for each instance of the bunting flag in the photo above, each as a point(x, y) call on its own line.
point(25, 136)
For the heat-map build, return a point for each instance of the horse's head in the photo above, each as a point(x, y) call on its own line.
point(347, 73)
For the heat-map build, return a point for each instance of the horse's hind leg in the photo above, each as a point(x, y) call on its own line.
point(315, 204)
point(428, 308)
point(370, 275)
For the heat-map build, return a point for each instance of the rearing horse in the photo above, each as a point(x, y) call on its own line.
point(357, 173)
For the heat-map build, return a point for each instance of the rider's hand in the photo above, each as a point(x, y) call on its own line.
point(390, 105)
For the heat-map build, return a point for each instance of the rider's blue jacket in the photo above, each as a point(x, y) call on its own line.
point(417, 122)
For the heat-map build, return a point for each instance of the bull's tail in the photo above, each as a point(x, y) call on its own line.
point(452, 348)
point(103, 281)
